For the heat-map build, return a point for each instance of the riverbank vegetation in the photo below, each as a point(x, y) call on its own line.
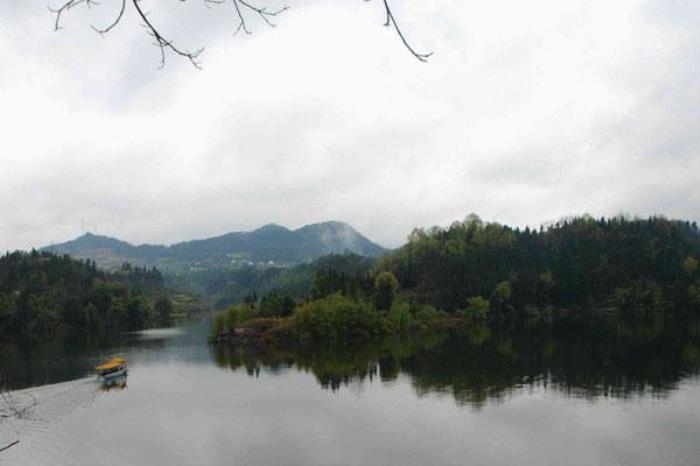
point(476, 271)
point(43, 294)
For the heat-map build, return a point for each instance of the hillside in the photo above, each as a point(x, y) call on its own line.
point(223, 287)
point(635, 265)
point(269, 245)
point(42, 294)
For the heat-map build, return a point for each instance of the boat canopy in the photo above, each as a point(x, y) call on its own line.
point(113, 363)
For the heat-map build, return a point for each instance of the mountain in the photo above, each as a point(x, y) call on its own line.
point(268, 245)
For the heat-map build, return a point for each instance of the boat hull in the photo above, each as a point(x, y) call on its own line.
point(113, 375)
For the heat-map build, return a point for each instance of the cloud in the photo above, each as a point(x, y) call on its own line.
point(528, 111)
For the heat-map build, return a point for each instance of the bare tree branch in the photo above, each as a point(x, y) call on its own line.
point(116, 20)
point(391, 21)
point(262, 12)
point(240, 7)
point(241, 19)
point(11, 444)
point(65, 7)
point(164, 43)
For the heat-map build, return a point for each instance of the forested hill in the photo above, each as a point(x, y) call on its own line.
point(631, 265)
point(42, 294)
point(473, 271)
point(270, 244)
point(628, 265)
point(223, 287)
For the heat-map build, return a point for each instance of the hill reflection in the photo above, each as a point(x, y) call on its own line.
point(589, 359)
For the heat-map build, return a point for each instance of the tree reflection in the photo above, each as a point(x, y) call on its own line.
point(579, 358)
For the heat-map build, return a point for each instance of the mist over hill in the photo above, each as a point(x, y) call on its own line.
point(269, 245)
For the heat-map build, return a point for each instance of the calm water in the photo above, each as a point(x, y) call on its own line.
point(610, 393)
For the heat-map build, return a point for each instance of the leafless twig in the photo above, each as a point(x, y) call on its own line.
point(67, 6)
point(391, 21)
point(243, 8)
point(164, 43)
point(114, 23)
point(11, 444)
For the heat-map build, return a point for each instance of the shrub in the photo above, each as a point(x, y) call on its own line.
point(236, 315)
point(426, 313)
point(400, 317)
point(477, 308)
point(336, 316)
point(228, 319)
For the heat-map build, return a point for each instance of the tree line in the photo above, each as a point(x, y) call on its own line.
point(636, 266)
point(44, 294)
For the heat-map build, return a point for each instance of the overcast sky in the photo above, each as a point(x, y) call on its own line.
point(528, 111)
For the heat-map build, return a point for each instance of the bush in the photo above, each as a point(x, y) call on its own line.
point(236, 315)
point(229, 319)
point(400, 317)
point(426, 313)
point(477, 308)
point(336, 316)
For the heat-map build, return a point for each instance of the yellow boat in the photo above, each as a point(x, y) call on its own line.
point(115, 367)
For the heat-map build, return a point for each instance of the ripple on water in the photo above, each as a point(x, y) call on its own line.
point(38, 429)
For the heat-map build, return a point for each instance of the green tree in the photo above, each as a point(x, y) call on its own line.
point(163, 308)
point(386, 286)
point(502, 292)
point(273, 305)
point(42, 294)
point(138, 312)
point(477, 307)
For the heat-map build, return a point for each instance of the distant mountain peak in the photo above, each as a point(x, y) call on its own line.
point(271, 227)
point(331, 225)
point(270, 243)
point(92, 238)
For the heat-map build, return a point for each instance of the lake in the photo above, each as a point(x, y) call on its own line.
point(576, 393)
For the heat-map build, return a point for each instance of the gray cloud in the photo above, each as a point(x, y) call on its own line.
point(528, 112)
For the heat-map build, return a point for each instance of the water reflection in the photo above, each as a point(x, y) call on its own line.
point(116, 384)
point(29, 364)
point(592, 358)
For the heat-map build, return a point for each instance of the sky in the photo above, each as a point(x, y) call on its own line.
point(526, 113)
